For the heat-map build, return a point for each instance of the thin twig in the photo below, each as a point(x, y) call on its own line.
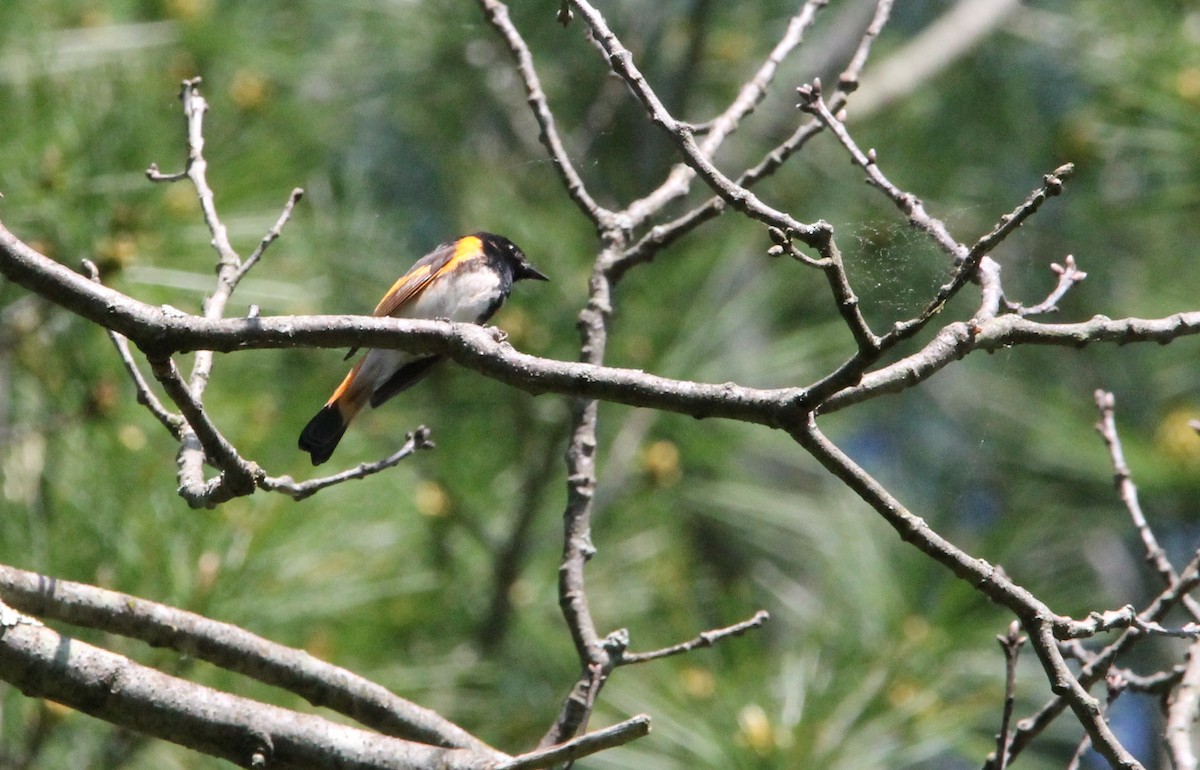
point(417, 440)
point(849, 80)
point(1106, 403)
point(174, 423)
point(662, 235)
point(617, 735)
point(738, 197)
point(1158, 683)
point(1068, 275)
point(497, 15)
point(1011, 644)
point(705, 639)
point(721, 127)
point(271, 236)
point(966, 269)
point(1120, 619)
point(812, 102)
point(414, 442)
point(1081, 750)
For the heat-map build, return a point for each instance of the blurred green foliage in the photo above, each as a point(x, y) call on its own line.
point(406, 125)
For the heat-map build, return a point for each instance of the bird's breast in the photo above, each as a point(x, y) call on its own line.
point(470, 295)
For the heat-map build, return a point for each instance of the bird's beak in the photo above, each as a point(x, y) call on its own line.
point(527, 270)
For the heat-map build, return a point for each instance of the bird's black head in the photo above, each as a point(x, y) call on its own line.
point(500, 248)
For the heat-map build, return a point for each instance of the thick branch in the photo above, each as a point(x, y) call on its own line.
point(159, 332)
point(44, 664)
point(232, 648)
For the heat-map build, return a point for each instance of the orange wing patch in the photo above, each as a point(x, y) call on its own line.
point(426, 270)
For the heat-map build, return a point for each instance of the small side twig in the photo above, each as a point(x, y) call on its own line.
point(966, 270)
point(617, 735)
point(1068, 275)
point(1011, 644)
point(174, 423)
point(414, 442)
point(1119, 619)
point(721, 127)
point(271, 236)
point(705, 639)
point(736, 196)
point(849, 79)
point(663, 235)
point(1159, 683)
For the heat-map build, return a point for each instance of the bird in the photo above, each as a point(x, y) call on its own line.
point(467, 280)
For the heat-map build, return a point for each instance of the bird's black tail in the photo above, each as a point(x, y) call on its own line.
point(323, 432)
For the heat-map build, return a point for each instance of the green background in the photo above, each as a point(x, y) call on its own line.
point(406, 125)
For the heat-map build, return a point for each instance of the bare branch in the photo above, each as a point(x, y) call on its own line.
point(967, 269)
point(848, 82)
point(1183, 707)
point(717, 130)
point(174, 423)
point(1125, 617)
point(1011, 644)
point(46, 665)
point(231, 648)
point(733, 194)
point(497, 14)
point(955, 340)
point(912, 207)
point(1106, 402)
point(204, 442)
point(705, 639)
point(617, 735)
point(1068, 275)
point(415, 441)
point(594, 657)
point(160, 333)
point(271, 236)
point(1034, 615)
point(1098, 665)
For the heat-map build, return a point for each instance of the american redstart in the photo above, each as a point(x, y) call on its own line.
point(464, 280)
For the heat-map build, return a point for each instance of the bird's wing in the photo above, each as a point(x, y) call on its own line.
point(441, 260)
